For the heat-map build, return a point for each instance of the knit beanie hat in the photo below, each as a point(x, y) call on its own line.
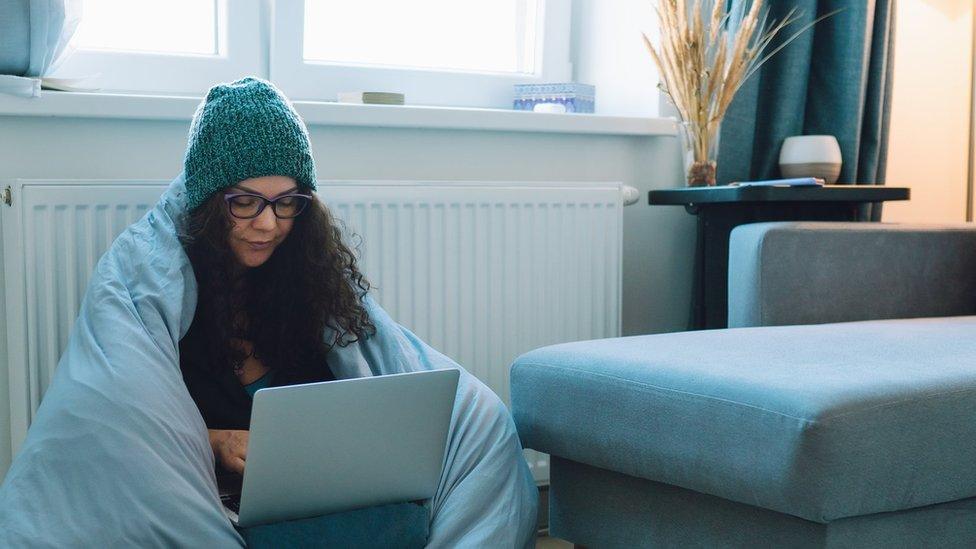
point(245, 129)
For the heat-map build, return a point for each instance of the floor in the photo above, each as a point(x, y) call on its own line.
point(546, 542)
point(552, 543)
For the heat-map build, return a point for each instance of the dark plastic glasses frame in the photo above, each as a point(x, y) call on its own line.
point(305, 199)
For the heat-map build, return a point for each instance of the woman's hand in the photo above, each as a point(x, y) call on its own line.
point(230, 448)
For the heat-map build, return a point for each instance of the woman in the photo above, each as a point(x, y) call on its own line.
point(270, 264)
point(274, 277)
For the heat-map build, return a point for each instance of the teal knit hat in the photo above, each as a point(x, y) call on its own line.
point(241, 130)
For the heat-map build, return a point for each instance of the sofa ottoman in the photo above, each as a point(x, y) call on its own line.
point(858, 434)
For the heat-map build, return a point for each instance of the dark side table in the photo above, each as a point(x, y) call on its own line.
point(720, 209)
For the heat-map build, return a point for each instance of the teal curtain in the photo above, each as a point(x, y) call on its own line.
point(834, 79)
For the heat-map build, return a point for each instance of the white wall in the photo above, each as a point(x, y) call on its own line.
point(4, 369)
point(929, 141)
point(658, 241)
point(608, 52)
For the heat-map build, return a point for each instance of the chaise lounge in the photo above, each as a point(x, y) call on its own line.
point(839, 410)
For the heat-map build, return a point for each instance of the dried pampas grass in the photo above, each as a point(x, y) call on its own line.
point(706, 54)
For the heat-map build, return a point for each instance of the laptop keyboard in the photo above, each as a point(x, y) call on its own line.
point(232, 502)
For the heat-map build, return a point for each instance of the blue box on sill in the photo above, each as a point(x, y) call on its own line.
point(568, 97)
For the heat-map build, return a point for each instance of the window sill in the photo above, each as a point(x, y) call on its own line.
point(157, 107)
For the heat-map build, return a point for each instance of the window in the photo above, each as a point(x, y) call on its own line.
point(436, 52)
point(165, 46)
point(150, 27)
point(484, 37)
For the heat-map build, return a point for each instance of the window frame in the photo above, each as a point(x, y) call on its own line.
point(241, 48)
point(253, 39)
point(322, 81)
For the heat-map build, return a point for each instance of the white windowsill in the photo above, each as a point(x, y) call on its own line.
point(158, 107)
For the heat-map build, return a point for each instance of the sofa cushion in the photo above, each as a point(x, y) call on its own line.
point(821, 422)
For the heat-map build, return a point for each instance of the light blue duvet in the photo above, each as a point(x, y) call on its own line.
point(118, 454)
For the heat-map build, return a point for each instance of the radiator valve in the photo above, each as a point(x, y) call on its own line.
point(631, 195)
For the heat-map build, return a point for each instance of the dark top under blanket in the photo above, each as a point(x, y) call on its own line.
point(222, 400)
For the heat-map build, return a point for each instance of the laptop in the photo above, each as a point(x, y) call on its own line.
point(334, 446)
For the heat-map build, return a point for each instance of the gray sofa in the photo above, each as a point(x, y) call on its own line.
point(839, 410)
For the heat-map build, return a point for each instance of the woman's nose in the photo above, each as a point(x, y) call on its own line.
point(266, 220)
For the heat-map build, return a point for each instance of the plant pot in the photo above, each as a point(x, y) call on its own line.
point(811, 156)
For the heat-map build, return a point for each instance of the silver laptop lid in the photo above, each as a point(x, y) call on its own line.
point(334, 446)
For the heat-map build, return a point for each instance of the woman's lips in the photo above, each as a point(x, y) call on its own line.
point(260, 245)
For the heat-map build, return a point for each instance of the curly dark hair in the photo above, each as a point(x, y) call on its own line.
point(310, 283)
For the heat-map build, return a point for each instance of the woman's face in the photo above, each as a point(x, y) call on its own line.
point(254, 240)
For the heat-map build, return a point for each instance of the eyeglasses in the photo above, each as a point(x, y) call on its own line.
point(249, 206)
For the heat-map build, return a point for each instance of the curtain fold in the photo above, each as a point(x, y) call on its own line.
point(834, 79)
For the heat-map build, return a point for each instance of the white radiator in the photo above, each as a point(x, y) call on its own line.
point(483, 271)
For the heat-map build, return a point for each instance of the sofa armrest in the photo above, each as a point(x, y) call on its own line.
point(812, 273)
